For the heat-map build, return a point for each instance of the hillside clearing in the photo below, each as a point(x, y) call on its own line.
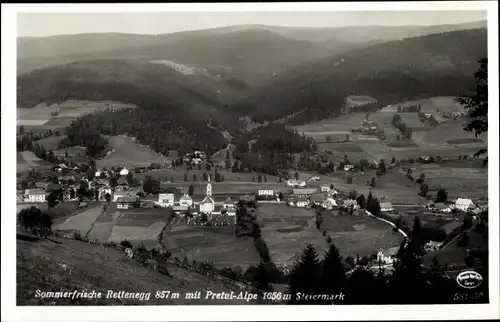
point(39, 266)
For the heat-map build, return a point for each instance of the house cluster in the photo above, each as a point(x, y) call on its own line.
point(453, 115)
point(39, 191)
point(194, 158)
point(295, 183)
point(461, 204)
point(327, 198)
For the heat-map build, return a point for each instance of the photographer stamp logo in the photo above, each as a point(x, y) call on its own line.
point(469, 279)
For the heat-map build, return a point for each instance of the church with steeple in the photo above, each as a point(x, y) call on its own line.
point(207, 205)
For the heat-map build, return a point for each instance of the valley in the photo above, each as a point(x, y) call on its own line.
point(220, 159)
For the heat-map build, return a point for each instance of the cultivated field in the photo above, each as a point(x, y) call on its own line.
point(61, 115)
point(359, 235)
point(126, 152)
point(81, 222)
point(214, 244)
point(429, 105)
point(27, 160)
point(39, 266)
point(288, 230)
point(428, 219)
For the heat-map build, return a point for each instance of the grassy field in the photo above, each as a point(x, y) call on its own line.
point(128, 153)
point(428, 219)
point(51, 142)
point(288, 230)
point(58, 116)
point(177, 175)
point(39, 267)
point(359, 235)
point(27, 160)
point(214, 244)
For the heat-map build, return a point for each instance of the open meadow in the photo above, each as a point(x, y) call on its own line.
point(213, 244)
point(27, 160)
point(127, 153)
point(287, 230)
point(81, 222)
point(59, 116)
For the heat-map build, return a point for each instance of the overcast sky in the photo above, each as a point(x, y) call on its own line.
point(47, 24)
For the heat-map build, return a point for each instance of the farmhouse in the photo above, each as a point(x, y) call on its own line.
point(228, 204)
point(442, 207)
point(348, 167)
point(166, 199)
point(147, 202)
point(325, 189)
point(387, 256)
point(302, 203)
point(350, 203)
point(432, 246)
point(386, 207)
point(292, 183)
point(318, 199)
point(35, 195)
point(264, 192)
point(304, 191)
point(186, 200)
point(314, 179)
point(329, 203)
point(126, 202)
point(464, 204)
point(301, 183)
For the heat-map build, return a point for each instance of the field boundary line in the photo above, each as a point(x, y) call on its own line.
point(93, 224)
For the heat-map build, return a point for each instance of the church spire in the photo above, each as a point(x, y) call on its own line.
point(209, 187)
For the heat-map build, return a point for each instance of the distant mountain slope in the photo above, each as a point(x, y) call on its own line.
point(433, 65)
point(181, 108)
point(253, 55)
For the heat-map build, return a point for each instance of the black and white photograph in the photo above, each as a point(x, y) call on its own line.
point(250, 155)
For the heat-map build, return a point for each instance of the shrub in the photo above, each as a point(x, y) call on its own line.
point(125, 243)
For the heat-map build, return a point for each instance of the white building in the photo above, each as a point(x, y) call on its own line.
point(103, 191)
point(325, 189)
point(386, 207)
point(263, 192)
point(196, 161)
point(302, 203)
point(464, 204)
point(35, 195)
point(166, 199)
point(292, 183)
point(186, 200)
point(228, 204)
point(301, 183)
point(314, 179)
point(207, 205)
point(387, 256)
point(123, 172)
point(348, 167)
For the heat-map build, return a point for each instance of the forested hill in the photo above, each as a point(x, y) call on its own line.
point(253, 55)
point(131, 81)
point(433, 65)
point(174, 109)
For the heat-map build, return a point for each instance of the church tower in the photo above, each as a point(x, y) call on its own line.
point(209, 187)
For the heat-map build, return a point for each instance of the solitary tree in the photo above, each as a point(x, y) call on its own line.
point(191, 190)
point(424, 189)
point(476, 101)
point(442, 195)
point(305, 275)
